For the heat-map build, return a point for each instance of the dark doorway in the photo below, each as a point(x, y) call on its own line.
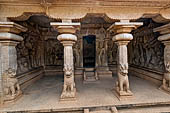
point(89, 51)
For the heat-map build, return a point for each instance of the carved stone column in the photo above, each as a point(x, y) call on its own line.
point(122, 37)
point(8, 56)
point(165, 39)
point(67, 37)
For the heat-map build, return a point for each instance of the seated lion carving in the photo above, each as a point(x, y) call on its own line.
point(11, 85)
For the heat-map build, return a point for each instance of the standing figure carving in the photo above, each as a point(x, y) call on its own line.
point(101, 54)
point(77, 55)
point(39, 52)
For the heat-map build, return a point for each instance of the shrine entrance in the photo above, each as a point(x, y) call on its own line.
point(89, 51)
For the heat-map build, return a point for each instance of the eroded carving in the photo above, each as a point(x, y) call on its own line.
point(77, 53)
point(11, 86)
point(122, 84)
point(145, 50)
point(69, 89)
point(53, 52)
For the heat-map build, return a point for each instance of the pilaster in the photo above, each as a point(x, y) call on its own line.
point(122, 37)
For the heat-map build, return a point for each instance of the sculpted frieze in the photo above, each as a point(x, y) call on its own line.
point(145, 50)
point(53, 52)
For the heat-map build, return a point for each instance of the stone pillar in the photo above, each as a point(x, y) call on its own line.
point(8, 56)
point(67, 37)
point(165, 39)
point(122, 30)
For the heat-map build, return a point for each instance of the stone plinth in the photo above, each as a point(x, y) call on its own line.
point(122, 38)
point(165, 38)
point(8, 61)
point(67, 38)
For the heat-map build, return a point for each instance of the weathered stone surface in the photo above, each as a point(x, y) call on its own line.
point(68, 39)
point(11, 85)
point(8, 58)
point(122, 38)
point(145, 51)
point(165, 39)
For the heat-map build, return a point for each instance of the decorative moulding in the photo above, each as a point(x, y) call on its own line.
point(11, 27)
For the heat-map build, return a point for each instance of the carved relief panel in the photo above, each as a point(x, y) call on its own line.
point(145, 50)
point(53, 52)
point(30, 52)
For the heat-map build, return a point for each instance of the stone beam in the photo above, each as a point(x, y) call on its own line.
point(78, 10)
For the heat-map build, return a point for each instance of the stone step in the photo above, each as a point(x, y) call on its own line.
point(101, 111)
point(89, 69)
point(157, 109)
point(89, 73)
point(112, 110)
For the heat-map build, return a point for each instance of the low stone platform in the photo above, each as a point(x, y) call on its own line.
point(43, 95)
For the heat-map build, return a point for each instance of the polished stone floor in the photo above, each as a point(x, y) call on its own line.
point(44, 95)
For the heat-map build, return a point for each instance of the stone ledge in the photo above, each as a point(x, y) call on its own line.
point(28, 78)
point(155, 77)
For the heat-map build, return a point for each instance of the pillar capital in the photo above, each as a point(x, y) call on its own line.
point(66, 28)
point(9, 31)
point(124, 26)
point(165, 33)
point(67, 37)
point(125, 37)
point(11, 27)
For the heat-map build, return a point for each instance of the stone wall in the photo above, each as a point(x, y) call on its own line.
point(40, 48)
point(30, 52)
point(53, 52)
point(145, 51)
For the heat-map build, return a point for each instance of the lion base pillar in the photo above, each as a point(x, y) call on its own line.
point(122, 30)
point(122, 89)
point(166, 77)
point(67, 37)
point(165, 39)
point(8, 59)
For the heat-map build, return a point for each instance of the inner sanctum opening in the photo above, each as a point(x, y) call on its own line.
point(89, 50)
